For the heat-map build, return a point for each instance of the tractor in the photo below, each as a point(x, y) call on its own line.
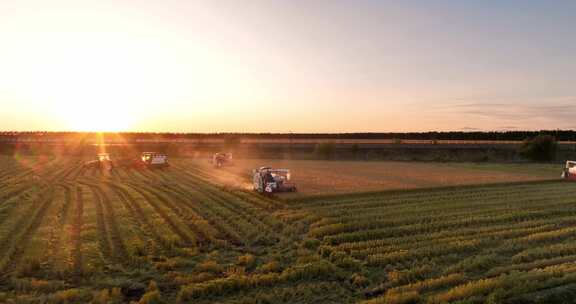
point(221, 159)
point(268, 180)
point(569, 172)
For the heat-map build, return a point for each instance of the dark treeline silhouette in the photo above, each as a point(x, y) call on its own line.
point(426, 146)
point(560, 135)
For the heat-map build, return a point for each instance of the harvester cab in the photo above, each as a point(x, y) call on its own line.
point(154, 159)
point(569, 171)
point(268, 180)
point(221, 159)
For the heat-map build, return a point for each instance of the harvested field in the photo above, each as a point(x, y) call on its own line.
point(330, 177)
point(76, 235)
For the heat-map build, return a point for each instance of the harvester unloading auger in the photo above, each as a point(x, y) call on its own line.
point(569, 171)
point(268, 180)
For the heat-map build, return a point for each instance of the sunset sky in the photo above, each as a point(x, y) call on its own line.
point(280, 66)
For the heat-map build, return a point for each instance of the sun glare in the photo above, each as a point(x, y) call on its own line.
point(96, 117)
point(92, 95)
point(98, 121)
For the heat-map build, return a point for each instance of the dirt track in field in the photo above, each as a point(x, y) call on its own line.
point(327, 177)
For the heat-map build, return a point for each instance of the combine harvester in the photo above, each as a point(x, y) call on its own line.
point(222, 159)
point(569, 172)
point(153, 160)
point(102, 162)
point(268, 180)
point(146, 160)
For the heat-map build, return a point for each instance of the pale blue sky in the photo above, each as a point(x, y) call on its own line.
point(278, 66)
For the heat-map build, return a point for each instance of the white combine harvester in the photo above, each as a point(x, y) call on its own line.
point(569, 172)
point(268, 180)
point(154, 159)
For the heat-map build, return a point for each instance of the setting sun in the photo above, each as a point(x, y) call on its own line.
point(98, 120)
point(97, 116)
point(92, 84)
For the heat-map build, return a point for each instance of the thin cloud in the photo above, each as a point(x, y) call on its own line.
point(544, 114)
point(469, 129)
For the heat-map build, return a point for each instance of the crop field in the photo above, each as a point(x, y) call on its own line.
point(75, 235)
point(317, 177)
point(512, 243)
point(71, 235)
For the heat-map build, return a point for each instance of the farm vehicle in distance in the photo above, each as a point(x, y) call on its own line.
point(102, 162)
point(222, 159)
point(152, 160)
point(146, 160)
point(268, 180)
point(569, 172)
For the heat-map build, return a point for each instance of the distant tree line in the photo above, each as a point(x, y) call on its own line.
point(539, 148)
point(560, 135)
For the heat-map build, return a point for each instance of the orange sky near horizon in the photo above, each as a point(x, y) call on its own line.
point(284, 66)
